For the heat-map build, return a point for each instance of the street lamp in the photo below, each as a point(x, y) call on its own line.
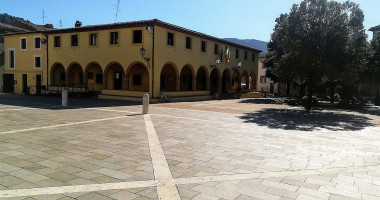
point(142, 54)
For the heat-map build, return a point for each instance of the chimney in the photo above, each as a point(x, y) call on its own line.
point(78, 23)
point(49, 26)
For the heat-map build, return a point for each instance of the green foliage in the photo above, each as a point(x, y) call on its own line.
point(8, 19)
point(372, 72)
point(336, 97)
point(318, 41)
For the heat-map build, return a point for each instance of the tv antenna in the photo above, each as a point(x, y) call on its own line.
point(43, 16)
point(117, 9)
point(60, 23)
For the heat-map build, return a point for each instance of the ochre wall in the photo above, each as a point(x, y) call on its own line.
point(24, 59)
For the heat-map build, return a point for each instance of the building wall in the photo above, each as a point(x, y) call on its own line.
point(265, 84)
point(124, 55)
point(179, 56)
point(24, 60)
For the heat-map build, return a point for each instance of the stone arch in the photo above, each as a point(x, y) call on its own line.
point(202, 79)
point(236, 79)
point(57, 74)
point(137, 76)
point(187, 78)
point(245, 80)
point(114, 77)
point(226, 80)
point(169, 77)
point(215, 81)
point(253, 81)
point(93, 76)
point(74, 75)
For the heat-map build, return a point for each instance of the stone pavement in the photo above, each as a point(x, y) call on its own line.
point(231, 149)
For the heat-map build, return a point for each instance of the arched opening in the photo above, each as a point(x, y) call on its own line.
point(57, 75)
point(138, 77)
point(253, 81)
point(114, 74)
point(236, 80)
point(186, 78)
point(245, 81)
point(168, 78)
point(201, 79)
point(94, 77)
point(226, 80)
point(214, 81)
point(74, 75)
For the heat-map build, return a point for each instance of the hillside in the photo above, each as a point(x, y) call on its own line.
point(8, 19)
point(257, 44)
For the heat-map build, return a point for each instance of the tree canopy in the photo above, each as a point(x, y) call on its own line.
point(318, 41)
point(8, 19)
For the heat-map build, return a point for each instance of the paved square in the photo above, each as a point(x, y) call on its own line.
point(231, 149)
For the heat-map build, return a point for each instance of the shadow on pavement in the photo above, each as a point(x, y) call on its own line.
point(54, 103)
point(289, 119)
point(258, 101)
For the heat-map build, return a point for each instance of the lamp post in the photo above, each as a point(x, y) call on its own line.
point(142, 54)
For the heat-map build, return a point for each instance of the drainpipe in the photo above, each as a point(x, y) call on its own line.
point(153, 62)
point(47, 59)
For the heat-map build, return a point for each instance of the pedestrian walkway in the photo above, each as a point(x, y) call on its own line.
point(198, 150)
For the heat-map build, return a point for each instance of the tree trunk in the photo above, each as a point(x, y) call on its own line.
point(287, 89)
point(310, 91)
point(302, 90)
point(332, 92)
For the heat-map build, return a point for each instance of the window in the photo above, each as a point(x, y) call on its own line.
point(37, 61)
point(114, 38)
point(93, 39)
point(188, 43)
point(237, 53)
point(245, 55)
point(11, 62)
point(203, 46)
point(216, 49)
point(170, 39)
point(253, 57)
point(99, 78)
point(37, 43)
point(23, 43)
point(74, 40)
point(57, 41)
point(137, 36)
point(137, 80)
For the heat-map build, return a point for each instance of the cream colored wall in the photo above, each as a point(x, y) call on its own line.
point(24, 59)
point(180, 56)
point(125, 53)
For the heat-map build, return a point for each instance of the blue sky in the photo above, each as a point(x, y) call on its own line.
point(244, 19)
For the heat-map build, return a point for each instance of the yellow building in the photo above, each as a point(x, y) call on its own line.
point(127, 60)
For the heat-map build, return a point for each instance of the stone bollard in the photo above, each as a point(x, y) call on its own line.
point(146, 104)
point(65, 96)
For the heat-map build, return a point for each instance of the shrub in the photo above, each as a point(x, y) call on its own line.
point(336, 97)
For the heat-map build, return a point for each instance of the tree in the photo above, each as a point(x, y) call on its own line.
point(372, 73)
point(318, 41)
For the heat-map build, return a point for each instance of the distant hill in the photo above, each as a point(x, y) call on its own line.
point(8, 19)
point(257, 44)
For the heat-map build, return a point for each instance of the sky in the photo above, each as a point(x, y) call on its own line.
point(243, 19)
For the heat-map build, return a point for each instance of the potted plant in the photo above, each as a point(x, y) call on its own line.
point(216, 95)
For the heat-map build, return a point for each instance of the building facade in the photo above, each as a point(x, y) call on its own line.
point(127, 60)
point(264, 83)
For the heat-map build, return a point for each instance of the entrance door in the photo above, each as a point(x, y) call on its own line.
point(8, 83)
point(25, 83)
point(117, 81)
point(38, 84)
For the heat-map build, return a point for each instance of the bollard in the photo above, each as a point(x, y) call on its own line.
point(146, 104)
point(65, 96)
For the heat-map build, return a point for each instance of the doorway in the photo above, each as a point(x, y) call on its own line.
point(118, 80)
point(24, 83)
point(38, 84)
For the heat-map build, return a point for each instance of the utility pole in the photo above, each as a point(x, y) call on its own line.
point(43, 17)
